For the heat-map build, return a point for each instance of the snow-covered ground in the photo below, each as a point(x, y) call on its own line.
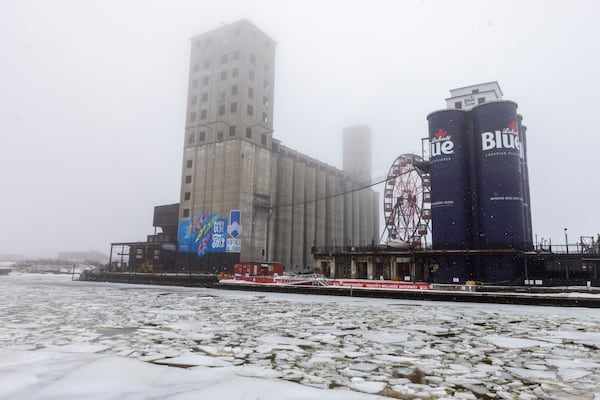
point(63, 339)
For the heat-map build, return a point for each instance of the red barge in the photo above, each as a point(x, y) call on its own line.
point(272, 274)
point(319, 280)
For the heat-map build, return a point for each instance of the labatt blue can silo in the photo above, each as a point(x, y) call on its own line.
point(450, 191)
point(499, 185)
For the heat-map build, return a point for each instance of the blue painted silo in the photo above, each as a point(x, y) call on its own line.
point(450, 192)
point(499, 186)
point(449, 174)
point(498, 176)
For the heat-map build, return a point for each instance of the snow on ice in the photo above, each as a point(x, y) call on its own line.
point(61, 339)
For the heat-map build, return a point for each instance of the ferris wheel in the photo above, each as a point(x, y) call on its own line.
point(407, 201)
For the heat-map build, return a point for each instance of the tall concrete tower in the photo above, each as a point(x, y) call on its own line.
point(228, 131)
point(244, 195)
point(357, 152)
point(358, 222)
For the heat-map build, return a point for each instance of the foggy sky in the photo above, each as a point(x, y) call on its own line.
point(93, 100)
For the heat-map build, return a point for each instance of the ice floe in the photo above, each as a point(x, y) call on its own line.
point(63, 339)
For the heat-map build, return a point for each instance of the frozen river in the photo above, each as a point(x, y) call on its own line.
point(70, 340)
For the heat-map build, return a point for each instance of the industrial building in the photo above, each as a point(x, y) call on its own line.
point(471, 189)
point(244, 195)
point(460, 212)
point(467, 97)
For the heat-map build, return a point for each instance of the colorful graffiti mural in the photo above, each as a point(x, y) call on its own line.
point(208, 233)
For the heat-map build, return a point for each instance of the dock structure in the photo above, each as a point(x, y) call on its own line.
point(552, 266)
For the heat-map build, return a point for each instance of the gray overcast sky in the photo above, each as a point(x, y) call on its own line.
point(93, 94)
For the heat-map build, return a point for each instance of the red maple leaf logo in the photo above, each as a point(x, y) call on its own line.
point(441, 133)
point(512, 126)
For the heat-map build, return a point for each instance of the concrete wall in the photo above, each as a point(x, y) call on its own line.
point(260, 200)
point(321, 207)
point(339, 210)
point(355, 238)
point(272, 238)
point(231, 187)
point(284, 210)
point(375, 206)
point(331, 213)
point(298, 215)
point(310, 190)
point(296, 203)
point(365, 217)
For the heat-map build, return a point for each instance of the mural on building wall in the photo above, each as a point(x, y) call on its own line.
point(234, 230)
point(209, 233)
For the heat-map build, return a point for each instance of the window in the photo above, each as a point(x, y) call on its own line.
point(458, 105)
point(267, 68)
point(235, 72)
point(195, 83)
point(205, 80)
point(263, 139)
point(188, 179)
point(250, 93)
point(194, 99)
point(233, 107)
point(203, 114)
point(205, 96)
point(265, 118)
point(236, 55)
point(202, 136)
point(249, 110)
point(249, 133)
point(265, 101)
point(234, 89)
point(475, 91)
point(193, 116)
point(251, 75)
point(266, 84)
point(187, 195)
point(189, 163)
point(252, 58)
point(206, 64)
point(224, 58)
point(223, 75)
point(222, 109)
point(186, 213)
point(481, 100)
point(232, 130)
point(196, 67)
point(220, 136)
point(191, 140)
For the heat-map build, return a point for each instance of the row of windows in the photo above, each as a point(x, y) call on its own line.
point(225, 60)
point(191, 139)
point(232, 110)
point(235, 72)
point(233, 91)
point(458, 104)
